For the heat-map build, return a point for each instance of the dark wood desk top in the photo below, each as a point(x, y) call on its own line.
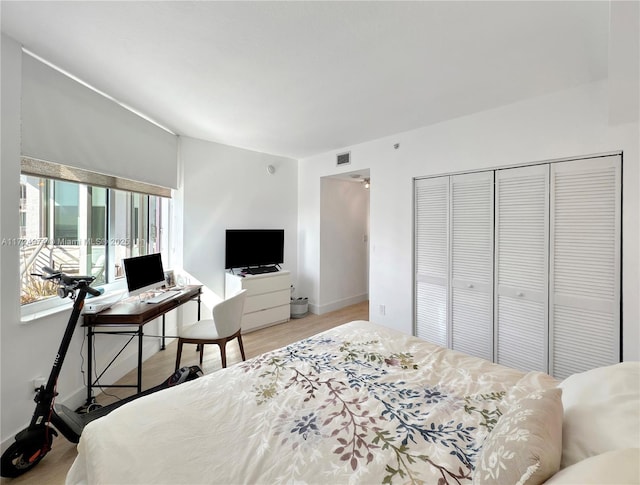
point(132, 312)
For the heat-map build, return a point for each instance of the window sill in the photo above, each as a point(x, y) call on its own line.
point(36, 311)
point(30, 315)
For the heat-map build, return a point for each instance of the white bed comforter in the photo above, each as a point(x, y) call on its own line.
point(357, 404)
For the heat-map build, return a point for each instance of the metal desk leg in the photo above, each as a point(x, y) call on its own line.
point(89, 364)
point(199, 294)
point(162, 346)
point(140, 336)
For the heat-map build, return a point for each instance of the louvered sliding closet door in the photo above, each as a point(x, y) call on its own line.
point(431, 259)
point(585, 265)
point(521, 267)
point(471, 255)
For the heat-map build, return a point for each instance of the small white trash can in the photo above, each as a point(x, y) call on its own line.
point(299, 307)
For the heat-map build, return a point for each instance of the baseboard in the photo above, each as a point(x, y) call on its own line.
point(338, 304)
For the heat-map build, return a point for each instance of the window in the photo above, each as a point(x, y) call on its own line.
point(84, 229)
point(23, 209)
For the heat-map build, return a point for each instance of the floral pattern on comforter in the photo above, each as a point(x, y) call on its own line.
point(358, 404)
point(368, 404)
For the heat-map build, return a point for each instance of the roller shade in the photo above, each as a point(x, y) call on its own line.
point(65, 122)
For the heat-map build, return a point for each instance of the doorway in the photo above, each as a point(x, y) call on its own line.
point(344, 240)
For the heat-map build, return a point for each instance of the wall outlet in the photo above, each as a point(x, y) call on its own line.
point(39, 381)
point(382, 309)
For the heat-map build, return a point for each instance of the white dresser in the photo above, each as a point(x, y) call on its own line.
point(268, 298)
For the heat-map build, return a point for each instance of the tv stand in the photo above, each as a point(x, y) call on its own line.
point(268, 298)
point(260, 270)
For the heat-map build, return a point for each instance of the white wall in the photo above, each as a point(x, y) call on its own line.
point(225, 187)
point(344, 208)
point(565, 124)
point(11, 67)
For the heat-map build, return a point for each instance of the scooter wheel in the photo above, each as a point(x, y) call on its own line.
point(22, 456)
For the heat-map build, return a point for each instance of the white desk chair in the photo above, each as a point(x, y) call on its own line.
point(225, 326)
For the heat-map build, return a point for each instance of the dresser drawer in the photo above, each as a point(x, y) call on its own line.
point(266, 283)
point(267, 300)
point(263, 318)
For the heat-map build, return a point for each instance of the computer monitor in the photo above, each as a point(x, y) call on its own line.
point(143, 273)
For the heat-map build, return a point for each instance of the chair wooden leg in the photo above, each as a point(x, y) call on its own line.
point(179, 353)
point(223, 353)
point(201, 353)
point(241, 347)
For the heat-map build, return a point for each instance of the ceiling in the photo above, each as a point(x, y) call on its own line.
point(301, 78)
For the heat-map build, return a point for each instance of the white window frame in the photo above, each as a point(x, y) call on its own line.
point(52, 171)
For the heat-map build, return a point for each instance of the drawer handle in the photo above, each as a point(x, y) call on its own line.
point(470, 285)
point(520, 293)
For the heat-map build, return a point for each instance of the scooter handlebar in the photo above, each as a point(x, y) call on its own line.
point(93, 291)
point(70, 282)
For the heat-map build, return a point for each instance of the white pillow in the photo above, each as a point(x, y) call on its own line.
point(617, 467)
point(601, 411)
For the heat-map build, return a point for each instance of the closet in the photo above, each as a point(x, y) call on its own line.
point(521, 265)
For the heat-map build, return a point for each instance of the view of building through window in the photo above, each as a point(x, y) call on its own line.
point(81, 229)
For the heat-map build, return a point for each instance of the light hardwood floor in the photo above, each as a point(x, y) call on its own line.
point(54, 467)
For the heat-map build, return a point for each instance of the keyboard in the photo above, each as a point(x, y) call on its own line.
point(165, 295)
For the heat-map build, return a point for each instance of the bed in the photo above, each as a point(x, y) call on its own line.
point(357, 404)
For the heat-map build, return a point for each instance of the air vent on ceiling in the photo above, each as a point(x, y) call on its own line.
point(343, 159)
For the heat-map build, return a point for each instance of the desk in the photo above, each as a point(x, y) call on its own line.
point(132, 314)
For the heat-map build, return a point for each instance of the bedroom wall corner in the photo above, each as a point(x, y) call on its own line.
point(10, 70)
point(227, 187)
point(624, 132)
point(627, 136)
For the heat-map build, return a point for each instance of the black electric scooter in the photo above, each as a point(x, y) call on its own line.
point(34, 442)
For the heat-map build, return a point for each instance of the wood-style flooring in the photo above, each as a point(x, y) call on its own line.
point(53, 468)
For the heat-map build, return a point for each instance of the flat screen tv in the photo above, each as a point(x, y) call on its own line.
point(143, 273)
point(246, 248)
